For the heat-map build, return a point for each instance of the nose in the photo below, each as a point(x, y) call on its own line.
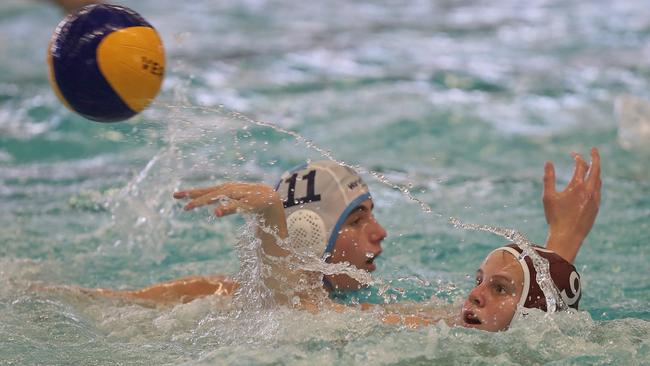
point(476, 296)
point(376, 231)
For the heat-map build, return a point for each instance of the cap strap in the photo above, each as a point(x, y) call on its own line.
point(335, 232)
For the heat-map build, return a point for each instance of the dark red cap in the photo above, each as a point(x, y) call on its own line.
point(564, 275)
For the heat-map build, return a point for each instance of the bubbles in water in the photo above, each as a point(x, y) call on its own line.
point(295, 301)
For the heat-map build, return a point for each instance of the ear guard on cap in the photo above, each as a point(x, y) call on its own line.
point(309, 230)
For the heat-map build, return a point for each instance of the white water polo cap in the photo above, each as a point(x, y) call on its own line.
point(317, 199)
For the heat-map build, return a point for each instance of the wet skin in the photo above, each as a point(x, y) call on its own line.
point(492, 303)
point(358, 243)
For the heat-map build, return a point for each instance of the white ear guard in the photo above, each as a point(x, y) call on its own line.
point(307, 231)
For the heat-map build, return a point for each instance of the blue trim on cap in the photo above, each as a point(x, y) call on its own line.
point(339, 222)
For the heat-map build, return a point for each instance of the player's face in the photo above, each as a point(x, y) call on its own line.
point(493, 301)
point(358, 243)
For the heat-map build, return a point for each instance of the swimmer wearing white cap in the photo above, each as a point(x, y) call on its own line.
point(329, 214)
point(326, 210)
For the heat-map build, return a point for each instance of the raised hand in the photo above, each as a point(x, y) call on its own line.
point(571, 213)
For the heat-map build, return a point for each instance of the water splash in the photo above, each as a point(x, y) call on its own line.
point(310, 262)
point(252, 293)
point(140, 213)
point(253, 299)
point(633, 122)
point(551, 293)
point(309, 143)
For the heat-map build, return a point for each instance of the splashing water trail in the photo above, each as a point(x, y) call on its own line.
point(310, 262)
point(252, 293)
point(310, 144)
point(554, 301)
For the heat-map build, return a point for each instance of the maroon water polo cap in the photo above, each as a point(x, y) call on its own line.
point(564, 275)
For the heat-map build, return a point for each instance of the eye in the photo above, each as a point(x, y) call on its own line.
point(478, 280)
point(355, 221)
point(500, 289)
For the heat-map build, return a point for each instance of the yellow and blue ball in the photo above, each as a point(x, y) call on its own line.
point(106, 62)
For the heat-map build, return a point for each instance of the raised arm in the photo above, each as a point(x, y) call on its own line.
point(570, 214)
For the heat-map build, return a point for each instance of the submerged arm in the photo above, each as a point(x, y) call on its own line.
point(571, 213)
point(182, 290)
point(230, 197)
point(414, 314)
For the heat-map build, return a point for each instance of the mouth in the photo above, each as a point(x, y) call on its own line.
point(469, 318)
point(370, 262)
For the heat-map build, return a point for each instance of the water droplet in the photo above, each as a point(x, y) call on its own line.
point(295, 301)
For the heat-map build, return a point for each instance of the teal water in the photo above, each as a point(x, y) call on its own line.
point(461, 102)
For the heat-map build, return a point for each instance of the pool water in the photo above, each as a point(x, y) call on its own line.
point(457, 103)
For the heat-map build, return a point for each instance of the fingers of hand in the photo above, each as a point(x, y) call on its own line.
point(597, 195)
point(593, 181)
point(231, 190)
point(580, 170)
point(595, 190)
point(549, 178)
point(180, 194)
point(206, 199)
point(249, 194)
point(227, 208)
point(194, 193)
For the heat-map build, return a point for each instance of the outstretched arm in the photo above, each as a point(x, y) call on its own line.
point(230, 198)
point(571, 213)
point(182, 290)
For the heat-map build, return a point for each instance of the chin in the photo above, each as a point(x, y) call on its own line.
point(477, 326)
point(344, 283)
